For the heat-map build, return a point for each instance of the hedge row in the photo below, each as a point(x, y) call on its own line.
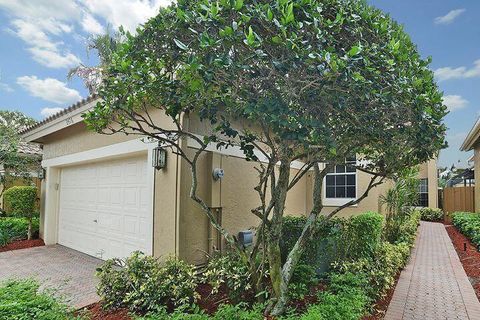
point(469, 225)
point(431, 214)
point(12, 229)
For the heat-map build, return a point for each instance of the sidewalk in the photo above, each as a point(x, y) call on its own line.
point(433, 285)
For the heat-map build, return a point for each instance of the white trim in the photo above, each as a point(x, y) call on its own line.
point(337, 202)
point(63, 121)
point(235, 151)
point(118, 149)
point(131, 147)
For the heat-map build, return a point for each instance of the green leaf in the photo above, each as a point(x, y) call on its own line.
point(180, 44)
point(276, 39)
point(250, 36)
point(354, 51)
point(269, 14)
point(238, 4)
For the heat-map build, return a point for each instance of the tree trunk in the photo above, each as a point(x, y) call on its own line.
point(274, 233)
point(29, 234)
point(296, 252)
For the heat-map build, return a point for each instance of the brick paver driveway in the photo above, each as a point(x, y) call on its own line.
point(434, 284)
point(56, 267)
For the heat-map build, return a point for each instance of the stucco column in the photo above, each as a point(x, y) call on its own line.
point(50, 208)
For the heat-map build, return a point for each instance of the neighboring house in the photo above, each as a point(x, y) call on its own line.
point(102, 196)
point(472, 142)
point(29, 150)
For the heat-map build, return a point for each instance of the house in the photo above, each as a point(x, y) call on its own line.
point(102, 196)
point(472, 142)
point(28, 150)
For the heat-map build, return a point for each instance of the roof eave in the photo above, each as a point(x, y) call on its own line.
point(64, 119)
point(472, 137)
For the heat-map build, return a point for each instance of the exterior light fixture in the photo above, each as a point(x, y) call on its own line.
point(159, 160)
point(41, 173)
point(217, 174)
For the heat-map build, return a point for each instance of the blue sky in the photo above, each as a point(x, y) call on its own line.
point(42, 39)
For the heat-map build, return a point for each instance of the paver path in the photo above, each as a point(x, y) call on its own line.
point(434, 284)
point(56, 267)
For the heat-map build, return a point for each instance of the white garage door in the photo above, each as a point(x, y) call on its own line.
point(105, 208)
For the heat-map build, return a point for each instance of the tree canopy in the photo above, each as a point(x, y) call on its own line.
point(318, 80)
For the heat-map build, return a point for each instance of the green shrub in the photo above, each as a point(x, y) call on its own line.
point(319, 253)
point(144, 284)
point(20, 200)
point(345, 299)
point(12, 229)
point(469, 225)
point(21, 299)
point(431, 214)
point(359, 237)
point(230, 270)
point(240, 311)
point(304, 277)
point(408, 229)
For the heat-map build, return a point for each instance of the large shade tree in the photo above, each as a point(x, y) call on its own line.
point(316, 80)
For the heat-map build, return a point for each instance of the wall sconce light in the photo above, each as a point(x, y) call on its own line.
point(217, 174)
point(41, 173)
point(159, 160)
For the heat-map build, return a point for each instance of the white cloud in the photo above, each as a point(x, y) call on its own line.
point(47, 112)
point(54, 59)
point(126, 13)
point(43, 24)
point(49, 89)
point(448, 73)
point(91, 25)
point(5, 87)
point(454, 102)
point(449, 17)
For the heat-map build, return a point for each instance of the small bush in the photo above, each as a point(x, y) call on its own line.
point(228, 269)
point(359, 237)
point(344, 300)
point(431, 214)
point(144, 284)
point(21, 299)
point(408, 229)
point(469, 225)
point(20, 200)
point(12, 229)
point(319, 253)
point(304, 277)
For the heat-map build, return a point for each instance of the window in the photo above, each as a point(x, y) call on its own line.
point(423, 193)
point(341, 181)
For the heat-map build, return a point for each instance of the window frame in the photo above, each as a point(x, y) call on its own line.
point(336, 202)
point(420, 193)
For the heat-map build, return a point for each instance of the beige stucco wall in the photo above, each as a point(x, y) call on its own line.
point(77, 138)
point(476, 160)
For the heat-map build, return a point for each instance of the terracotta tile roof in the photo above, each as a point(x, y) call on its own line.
point(29, 148)
point(60, 113)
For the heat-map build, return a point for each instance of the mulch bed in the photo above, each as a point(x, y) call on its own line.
point(470, 257)
point(96, 312)
point(22, 244)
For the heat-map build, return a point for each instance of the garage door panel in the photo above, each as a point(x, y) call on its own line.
point(116, 195)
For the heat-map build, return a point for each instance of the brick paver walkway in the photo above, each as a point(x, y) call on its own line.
point(434, 284)
point(68, 272)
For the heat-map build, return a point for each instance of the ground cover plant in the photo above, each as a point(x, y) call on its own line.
point(22, 299)
point(316, 81)
point(469, 224)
